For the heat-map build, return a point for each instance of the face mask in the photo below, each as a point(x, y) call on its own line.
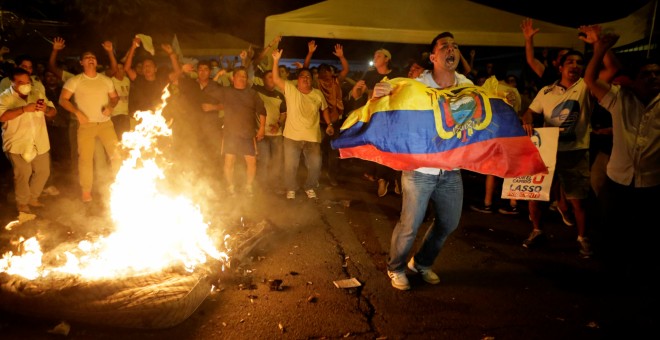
point(25, 89)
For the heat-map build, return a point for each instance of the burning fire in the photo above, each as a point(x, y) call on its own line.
point(153, 230)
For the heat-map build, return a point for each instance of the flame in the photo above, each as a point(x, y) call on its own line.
point(153, 230)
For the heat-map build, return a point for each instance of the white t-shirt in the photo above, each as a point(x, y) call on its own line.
point(570, 110)
point(122, 87)
point(66, 75)
point(303, 113)
point(91, 95)
point(273, 107)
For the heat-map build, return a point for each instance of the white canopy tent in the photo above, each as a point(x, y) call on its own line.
point(419, 21)
point(198, 44)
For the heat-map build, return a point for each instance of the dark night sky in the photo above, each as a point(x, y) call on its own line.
point(246, 18)
point(119, 20)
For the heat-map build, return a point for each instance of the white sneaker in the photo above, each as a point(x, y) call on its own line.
point(427, 274)
point(399, 280)
point(310, 193)
point(290, 195)
point(51, 190)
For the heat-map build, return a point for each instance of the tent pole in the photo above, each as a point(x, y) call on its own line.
point(655, 10)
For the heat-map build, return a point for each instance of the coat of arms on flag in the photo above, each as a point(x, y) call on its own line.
point(465, 127)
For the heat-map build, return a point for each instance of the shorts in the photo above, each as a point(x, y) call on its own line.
point(572, 170)
point(239, 146)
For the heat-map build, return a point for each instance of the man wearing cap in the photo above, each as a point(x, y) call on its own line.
point(360, 94)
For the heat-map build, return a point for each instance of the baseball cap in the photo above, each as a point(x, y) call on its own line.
point(385, 53)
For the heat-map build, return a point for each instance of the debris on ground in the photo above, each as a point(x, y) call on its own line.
point(347, 283)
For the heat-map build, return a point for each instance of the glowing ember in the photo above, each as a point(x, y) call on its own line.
point(153, 231)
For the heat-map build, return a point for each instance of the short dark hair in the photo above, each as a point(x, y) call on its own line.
point(87, 52)
point(570, 53)
point(438, 37)
point(17, 71)
point(325, 67)
point(204, 62)
point(23, 57)
point(303, 69)
point(412, 61)
point(148, 57)
point(240, 68)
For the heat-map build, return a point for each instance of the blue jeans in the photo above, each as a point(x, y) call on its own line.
point(445, 192)
point(312, 153)
point(270, 158)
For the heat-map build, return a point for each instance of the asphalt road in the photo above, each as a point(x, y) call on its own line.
point(491, 288)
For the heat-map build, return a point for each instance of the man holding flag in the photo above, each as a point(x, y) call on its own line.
point(462, 126)
point(445, 187)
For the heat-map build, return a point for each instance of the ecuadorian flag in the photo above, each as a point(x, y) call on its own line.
point(465, 127)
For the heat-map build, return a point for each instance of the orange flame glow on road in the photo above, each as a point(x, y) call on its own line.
point(153, 231)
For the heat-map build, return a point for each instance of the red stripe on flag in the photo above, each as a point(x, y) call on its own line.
point(503, 157)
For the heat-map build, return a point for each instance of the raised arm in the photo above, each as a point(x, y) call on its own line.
point(611, 65)
point(58, 45)
point(602, 46)
point(311, 48)
point(107, 46)
point(339, 52)
point(265, 51)
point(174, 59)
point(130, 72)
point(529, 32)
point(279, 82)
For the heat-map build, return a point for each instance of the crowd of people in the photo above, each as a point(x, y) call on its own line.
point(71, 116)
